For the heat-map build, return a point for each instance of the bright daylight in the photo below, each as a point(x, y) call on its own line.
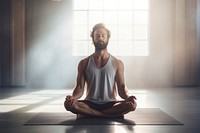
point(128, 21)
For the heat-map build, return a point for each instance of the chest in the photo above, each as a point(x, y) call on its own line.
point(98, 69)
point(100, 63)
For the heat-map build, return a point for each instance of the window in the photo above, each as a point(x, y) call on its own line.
point(128, 21)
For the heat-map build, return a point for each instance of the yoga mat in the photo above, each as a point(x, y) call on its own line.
point(141, 116)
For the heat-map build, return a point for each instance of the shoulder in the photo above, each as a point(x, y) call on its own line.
point(118, 63)
point(83, 63)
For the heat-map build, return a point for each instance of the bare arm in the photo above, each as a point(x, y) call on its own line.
point(122, 89)
point(79, 88)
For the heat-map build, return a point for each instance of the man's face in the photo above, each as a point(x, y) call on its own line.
point(100, 39)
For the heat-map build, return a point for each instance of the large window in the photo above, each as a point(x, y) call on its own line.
point(128, 21)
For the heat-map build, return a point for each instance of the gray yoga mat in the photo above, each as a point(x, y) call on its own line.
point(142, 116)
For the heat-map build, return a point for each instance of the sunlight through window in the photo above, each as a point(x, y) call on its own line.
point(51, 101)
point(128, 21)
point(17, 102)
point(34, 100)
point(48, 109)
point(8, 108)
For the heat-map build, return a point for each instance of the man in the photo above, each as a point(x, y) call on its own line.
point(104, 76)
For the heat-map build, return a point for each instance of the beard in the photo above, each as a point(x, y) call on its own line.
point(100, 45)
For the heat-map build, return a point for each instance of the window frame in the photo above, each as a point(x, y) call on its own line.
point(89, 48)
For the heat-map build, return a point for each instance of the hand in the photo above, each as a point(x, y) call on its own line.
point(69, 97)
point(69, 102)
point(131, 99)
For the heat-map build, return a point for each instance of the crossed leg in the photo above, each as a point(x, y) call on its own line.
point(118, 109)
point(121, 108)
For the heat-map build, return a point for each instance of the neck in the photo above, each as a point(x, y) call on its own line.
point(101, 54)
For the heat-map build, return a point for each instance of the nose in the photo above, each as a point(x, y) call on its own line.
point(100, 38)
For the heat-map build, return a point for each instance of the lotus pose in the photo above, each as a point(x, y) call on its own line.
point(103, 75)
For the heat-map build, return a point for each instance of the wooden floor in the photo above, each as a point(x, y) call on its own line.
point(18, 105)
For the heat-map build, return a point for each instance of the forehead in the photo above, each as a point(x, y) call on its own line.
point(100, 31)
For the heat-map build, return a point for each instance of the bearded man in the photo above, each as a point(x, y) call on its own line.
point(103, 75)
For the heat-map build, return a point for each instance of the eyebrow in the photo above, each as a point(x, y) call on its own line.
point(100, 34)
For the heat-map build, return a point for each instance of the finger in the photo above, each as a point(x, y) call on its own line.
point(72, 102)
point(68, 97)
point(135, 98)
point(68, 103)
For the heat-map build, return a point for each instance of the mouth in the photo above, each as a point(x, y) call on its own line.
point(100, 45)
point(100, 42)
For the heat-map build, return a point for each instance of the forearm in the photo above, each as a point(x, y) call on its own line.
point(123, 92)
point(78, 92)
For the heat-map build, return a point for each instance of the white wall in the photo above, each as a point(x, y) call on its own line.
point(153, 71)
point(157, 69)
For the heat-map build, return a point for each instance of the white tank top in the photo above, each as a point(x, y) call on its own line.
point(101, 81)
